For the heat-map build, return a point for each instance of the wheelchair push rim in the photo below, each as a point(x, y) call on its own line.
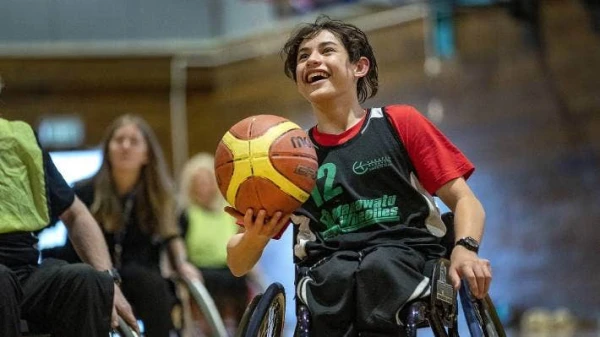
point(482, 319)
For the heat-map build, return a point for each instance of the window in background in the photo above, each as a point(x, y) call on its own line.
point(74, 166)
point(61, 132)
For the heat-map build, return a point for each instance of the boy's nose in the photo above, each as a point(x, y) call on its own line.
point(314, 58)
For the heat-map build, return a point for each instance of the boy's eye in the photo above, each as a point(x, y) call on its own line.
point(302, 56)
point(328, 50)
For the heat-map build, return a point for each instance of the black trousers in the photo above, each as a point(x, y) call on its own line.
point(360, 293)
point(67, 300)
point(151, 296)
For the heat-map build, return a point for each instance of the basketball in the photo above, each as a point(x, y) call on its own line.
point(266, 162)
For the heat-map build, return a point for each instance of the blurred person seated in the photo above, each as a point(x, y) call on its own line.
point(56, 297)
point(207, 228)
point(132, 198)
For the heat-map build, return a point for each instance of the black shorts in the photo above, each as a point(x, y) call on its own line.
point(350, 292)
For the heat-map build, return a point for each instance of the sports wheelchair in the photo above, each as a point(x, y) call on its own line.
point(265, 315)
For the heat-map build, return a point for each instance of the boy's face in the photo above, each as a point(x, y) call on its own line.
point(324, 70)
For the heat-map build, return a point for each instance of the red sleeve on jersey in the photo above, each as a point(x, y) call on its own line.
point(434, 157)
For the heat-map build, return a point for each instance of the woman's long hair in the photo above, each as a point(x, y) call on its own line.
point(154, 201)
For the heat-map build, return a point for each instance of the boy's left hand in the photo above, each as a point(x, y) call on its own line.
point(239, 217)
point(465, 264)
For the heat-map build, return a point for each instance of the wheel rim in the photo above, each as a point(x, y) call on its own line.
point(272, 323)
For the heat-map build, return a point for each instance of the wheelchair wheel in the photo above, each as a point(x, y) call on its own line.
point(207, 305)
point(492, 321)
point(268, 317)
point(482, 319)
point(243, 327)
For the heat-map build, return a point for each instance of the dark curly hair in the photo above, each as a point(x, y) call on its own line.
point(354, 40)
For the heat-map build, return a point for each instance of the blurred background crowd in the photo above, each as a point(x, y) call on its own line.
point(514, 83)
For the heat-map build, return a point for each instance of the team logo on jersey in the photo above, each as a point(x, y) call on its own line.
point(358, 214)
point(362, 167)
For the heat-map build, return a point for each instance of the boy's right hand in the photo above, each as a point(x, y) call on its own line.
point(260, 226)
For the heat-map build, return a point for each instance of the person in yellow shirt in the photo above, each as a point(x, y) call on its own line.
point(207, 228)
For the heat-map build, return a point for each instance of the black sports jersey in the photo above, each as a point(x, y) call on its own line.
point(367, 194)
point(370, 227)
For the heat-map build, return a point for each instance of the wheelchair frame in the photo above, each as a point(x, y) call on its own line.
point(207, 305)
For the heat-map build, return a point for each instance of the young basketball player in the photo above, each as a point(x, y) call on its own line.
point(370, 224)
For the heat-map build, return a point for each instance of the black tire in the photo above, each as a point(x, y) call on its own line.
point(493, 326)
point(268, 318)
point(482, 319)
point(243, 327)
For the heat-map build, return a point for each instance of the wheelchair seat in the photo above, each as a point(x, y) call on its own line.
point(438, 310)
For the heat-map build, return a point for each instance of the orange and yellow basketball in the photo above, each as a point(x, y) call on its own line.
point(265, 162)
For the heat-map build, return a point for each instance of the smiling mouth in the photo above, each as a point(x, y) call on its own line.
point(316, 76)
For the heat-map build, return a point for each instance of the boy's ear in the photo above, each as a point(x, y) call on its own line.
point(362, 67)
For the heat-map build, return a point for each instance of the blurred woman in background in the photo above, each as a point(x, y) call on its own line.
point(132, 197)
